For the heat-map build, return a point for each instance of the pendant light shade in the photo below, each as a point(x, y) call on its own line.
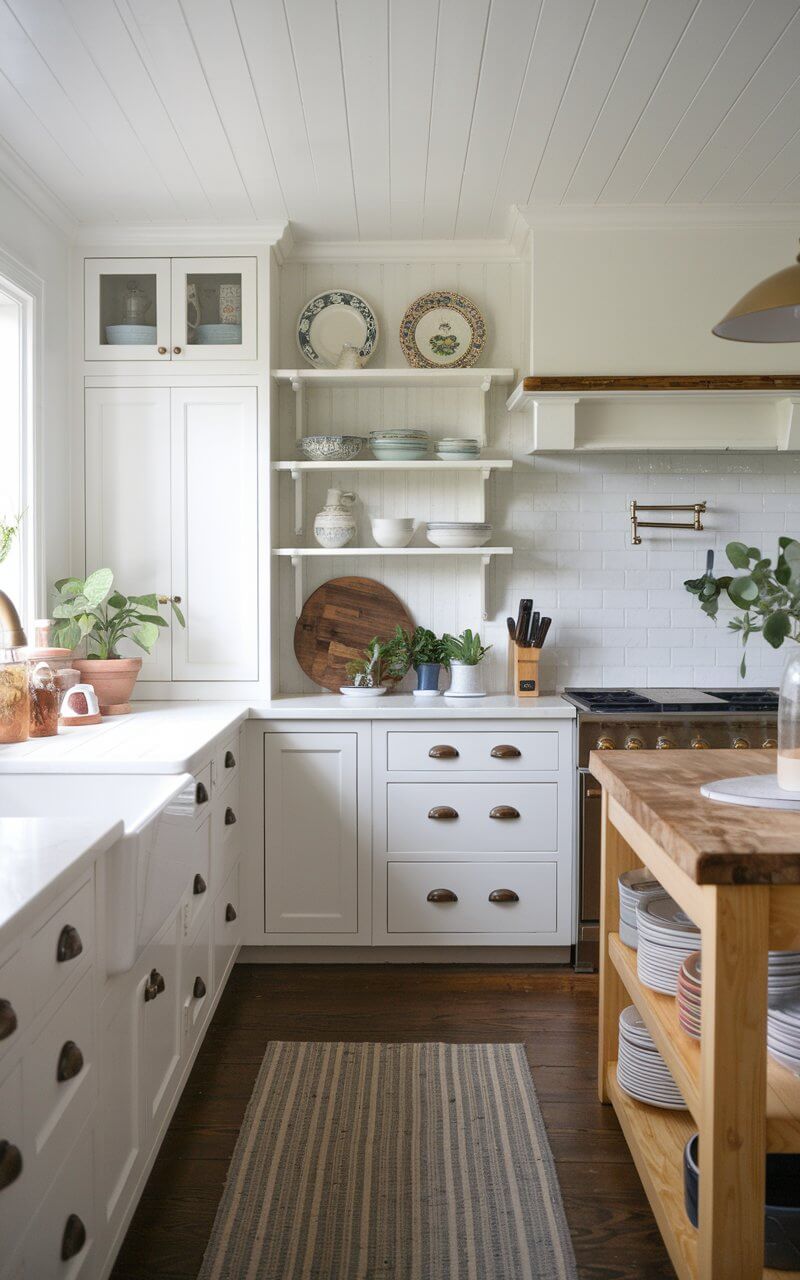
point(770, 312)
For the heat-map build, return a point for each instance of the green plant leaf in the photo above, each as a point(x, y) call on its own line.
point(776, 628)
point(70, 586)
point(150, 601)
point(97, 586)
point(743, 591)
point(145, 635)
point(178, 614)
point(739, 554)
point(155, 618)
point(85, 624)
point(117, 600)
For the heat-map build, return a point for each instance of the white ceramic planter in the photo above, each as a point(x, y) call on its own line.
point(466, 681)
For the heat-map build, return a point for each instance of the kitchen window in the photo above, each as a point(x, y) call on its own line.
point(17, 549)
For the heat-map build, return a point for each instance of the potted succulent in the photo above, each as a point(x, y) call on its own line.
point(465, 653)
point(88, 610)
point(381, 662)
point(425, 652)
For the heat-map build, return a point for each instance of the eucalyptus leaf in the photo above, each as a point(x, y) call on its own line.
point(738, 554)
point(776, 628)
point(743, 591)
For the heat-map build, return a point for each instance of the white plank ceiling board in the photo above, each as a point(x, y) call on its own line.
point(397, 119)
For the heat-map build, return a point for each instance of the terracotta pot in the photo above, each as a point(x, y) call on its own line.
point(112, 679)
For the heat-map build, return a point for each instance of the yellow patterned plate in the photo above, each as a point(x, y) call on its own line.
point(442, 330)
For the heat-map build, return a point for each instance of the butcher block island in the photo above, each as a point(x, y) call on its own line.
point(735, 871)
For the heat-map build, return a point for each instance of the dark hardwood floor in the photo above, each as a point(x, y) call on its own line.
point(552, 1012)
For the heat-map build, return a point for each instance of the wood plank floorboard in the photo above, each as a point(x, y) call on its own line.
point(553, 1013)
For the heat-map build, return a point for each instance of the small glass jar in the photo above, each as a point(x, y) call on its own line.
point(45, 700)
point(14, 697)
point(789, 725)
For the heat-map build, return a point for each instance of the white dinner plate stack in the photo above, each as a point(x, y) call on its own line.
point(634, 887)
point(641, 1071)
point(784, 975)
point(666, 937)
point(783, 1031)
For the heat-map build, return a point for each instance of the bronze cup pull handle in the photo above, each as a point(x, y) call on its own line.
point(10, 1164)
point(201, 793)
point(74, 1237)
point(442, 895)
point(69, 944)
point(154, 986)
point(504, 812)
point(443, 752)
point(230, 760)
point(505, 752)
point(199, 989)
point(199, 885)
point(8, 1019)
point(230, 913)
point(503, 895)
point(70, 1062)
point(443, 813)
point(230, 817)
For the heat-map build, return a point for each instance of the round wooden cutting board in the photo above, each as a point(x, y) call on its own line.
point(337, 623)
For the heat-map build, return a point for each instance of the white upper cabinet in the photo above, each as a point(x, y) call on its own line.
point(170, 309)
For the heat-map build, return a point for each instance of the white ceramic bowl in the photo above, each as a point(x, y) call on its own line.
point(331, 448)
point(392, 531)
point(459, 537)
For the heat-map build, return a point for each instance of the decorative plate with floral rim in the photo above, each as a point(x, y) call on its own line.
point(332, 320)
point(442, 330)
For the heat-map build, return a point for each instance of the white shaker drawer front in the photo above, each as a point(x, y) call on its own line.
point(447, 752)
point(61, 1242)
point(227, 926)
point(58, 948)
point(59, 1078)
point(226, 832)
point(227, 762)
point(202, 874)
point(472, 897)
point(16, 1002)
point(14, 1173)
point(464, 817)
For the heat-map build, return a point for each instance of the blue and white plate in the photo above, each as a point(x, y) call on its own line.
point(332, 320)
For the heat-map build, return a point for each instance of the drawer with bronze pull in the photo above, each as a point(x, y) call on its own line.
point(196, 982)
point(466, 817)
point(62, 1239)
point(227, 763)
point(16, 1001)
point(227, 925)
point(13, 1163)
point(472, 897)
point(453, 750)
point(58, 1079)
point(226, 831)
point(61, 947)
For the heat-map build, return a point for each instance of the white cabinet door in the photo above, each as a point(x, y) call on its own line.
point(214, 309)
point(161, 1027)
point(119, 1137)
point(311, 832)
point(215, 532)
point(128, 498)
point(127, 309)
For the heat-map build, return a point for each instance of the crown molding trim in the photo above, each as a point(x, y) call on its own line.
point(403, 251)
point(182, 234)
point(675, 217)
point(20, 179)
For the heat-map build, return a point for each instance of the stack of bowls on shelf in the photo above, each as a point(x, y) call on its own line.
point(666, 937)
point(458, 533)
point(454, 449)
point(783, 990)
point(399, 444)
point(783, 1031)
point(689, 995)
point(634, 887)
point(641, 1071)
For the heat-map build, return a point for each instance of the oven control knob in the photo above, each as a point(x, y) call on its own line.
point(699, 743)
point(740, 743)
point(769, 744)
point(634, 743)
point(664, 742)
point(604, 743)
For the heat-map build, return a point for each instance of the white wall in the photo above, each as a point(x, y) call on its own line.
point(42, 250)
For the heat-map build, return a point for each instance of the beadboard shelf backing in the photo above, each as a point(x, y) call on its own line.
point(661, 413)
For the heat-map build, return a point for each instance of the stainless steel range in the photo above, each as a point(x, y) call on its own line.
point(651, 719)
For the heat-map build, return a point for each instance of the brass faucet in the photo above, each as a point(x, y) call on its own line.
point(12, 635)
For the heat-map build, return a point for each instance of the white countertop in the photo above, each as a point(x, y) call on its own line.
point(404, 706)
point(39, 856)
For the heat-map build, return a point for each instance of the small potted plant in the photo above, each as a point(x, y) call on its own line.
point(381, 662)
point(88, 610)
point(425, 652)
point(465, 653)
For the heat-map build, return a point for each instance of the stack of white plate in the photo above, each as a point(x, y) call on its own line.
point(634, 887)
point(399, 444)
point(783, 1031)
point(458, 533)
point(666, 937)
point(641, 1071)
point(454, 449)
point(784, 975)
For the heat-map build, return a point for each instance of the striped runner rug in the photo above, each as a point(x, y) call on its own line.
point(391, 1161)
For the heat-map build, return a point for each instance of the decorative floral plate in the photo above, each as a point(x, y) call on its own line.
point(332, 320)
point(442, 330)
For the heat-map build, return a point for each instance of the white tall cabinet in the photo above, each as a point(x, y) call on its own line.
point(172, 507)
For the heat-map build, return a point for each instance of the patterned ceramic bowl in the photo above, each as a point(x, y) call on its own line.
point(331, 448)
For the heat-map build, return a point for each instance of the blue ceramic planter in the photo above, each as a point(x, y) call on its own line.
point(428, 675)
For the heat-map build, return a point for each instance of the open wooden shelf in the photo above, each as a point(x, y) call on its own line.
point(682, 1054)
point(392, 551)
point(407, 377)
point(423, 464)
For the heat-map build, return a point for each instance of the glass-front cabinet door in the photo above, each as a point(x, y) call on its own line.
point(127, 308)
point(214, 309)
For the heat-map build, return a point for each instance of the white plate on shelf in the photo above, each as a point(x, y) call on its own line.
point(330, 321)
point(350, 691)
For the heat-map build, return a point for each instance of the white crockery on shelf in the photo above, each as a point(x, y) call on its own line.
point(392, 531)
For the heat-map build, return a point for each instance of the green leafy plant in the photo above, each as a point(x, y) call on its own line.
point(88, 609)
point(466, 648)
point(9, 528)
point(768, 595)
point(381, 661)
point(413, 649)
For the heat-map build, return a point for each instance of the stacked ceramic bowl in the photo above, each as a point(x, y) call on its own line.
point(400, 444)
point(666, 937)
point(783, 988)
point(783, 1031)
point(784, 975)
point(641, 1071)
point(634, 887)
point(453, 449)
point(330, 448)
point(458, 533)
point(689, 995)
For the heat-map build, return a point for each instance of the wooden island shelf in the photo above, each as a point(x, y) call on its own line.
point(736, 873)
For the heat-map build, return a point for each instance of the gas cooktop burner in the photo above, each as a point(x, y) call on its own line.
point(664, 701)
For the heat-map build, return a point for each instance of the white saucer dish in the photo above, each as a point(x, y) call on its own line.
point(458, 534)
point(350, 691)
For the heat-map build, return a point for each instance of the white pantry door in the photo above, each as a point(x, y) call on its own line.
point(215, 532)
point(128, 499)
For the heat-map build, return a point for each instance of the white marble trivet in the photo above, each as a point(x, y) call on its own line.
point(760, 790)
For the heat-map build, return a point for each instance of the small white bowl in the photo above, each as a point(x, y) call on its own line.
point(392, 531)
point(459, 537)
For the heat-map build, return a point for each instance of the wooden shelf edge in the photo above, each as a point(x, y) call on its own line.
point(664, 382)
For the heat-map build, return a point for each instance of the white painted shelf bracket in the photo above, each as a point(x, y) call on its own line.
point(485, 562)
point(486, 387)
point(299, 495)
point(298, 387)
point(486, 475)
point(299, 584)
point(788, 425)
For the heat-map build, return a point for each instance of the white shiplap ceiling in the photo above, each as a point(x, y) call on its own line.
point(397, 119)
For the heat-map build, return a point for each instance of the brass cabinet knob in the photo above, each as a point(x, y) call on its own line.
point(699, 744)
point(443, 752)
point(10, 1164)
point(593, 793)
point(230, 817)
point(230, 760)
point(442, 895)
point(176, 351)
point(70, 1062)
point(503, 895)
point(199, 988)
point(74, 1237)
point(199, 885)
point(201, 793)
point(634, 743)
point(769, 744)
point(664, 743)
point(740, 743)
point(169, 599)
point(69, 945)
point(443, 813)
point(604, 743)
point(504, 812)
point(162, 351)
point(8, 1019)
point(505, 752)
point(230, 913)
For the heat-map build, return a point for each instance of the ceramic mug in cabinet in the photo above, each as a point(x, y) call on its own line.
point(230, 303)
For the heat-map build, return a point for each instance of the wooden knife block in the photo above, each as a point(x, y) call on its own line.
point(523, 670)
